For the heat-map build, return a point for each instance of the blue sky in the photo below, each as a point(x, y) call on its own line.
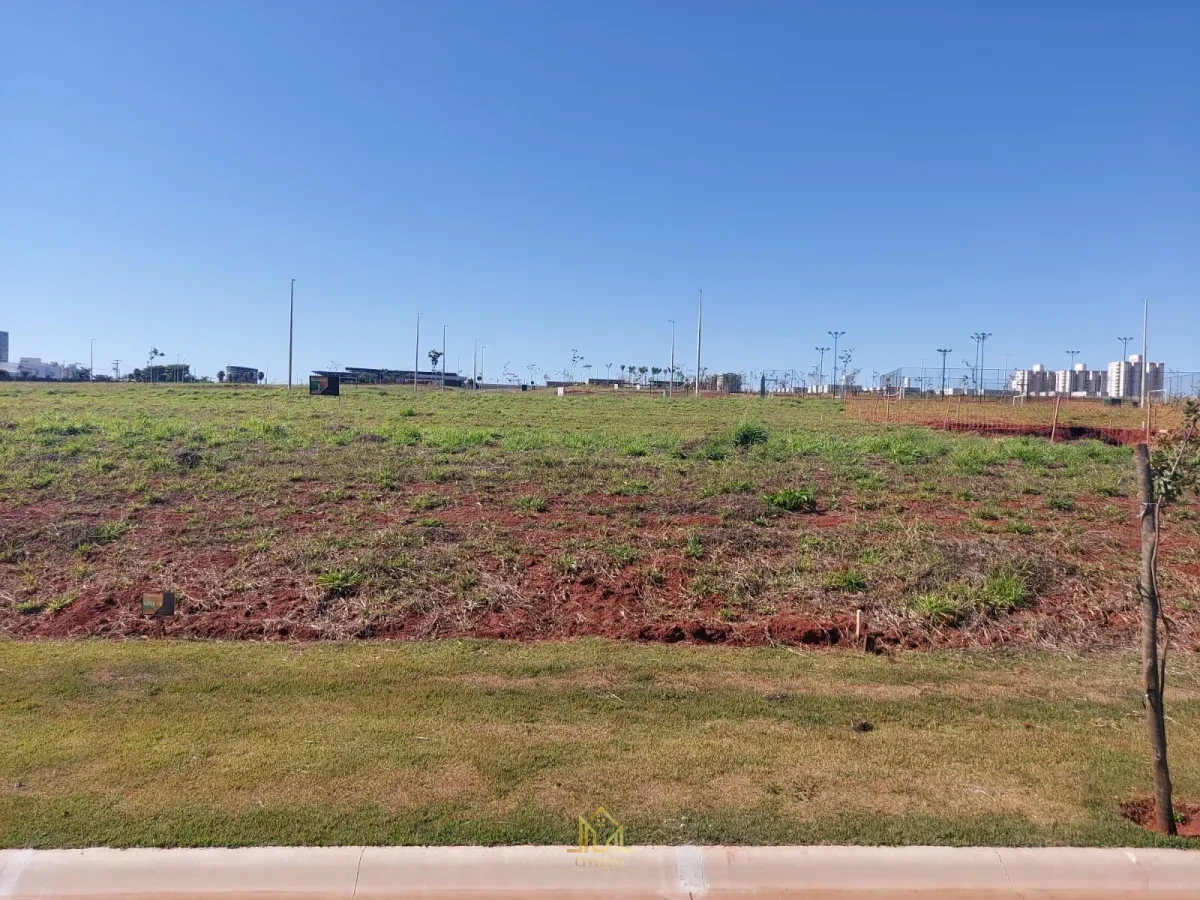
point(565, 175)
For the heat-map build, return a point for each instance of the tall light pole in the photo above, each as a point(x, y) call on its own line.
point(474, 367)
point(443, 358)
point(482, 361)
point(821, 368)
point(671, 379)
point(291, 322)
point(1124, 348)
point(699, 323)
point(835, 335)
point(980, 338)
point(417, 355)
point(92, 360)
point(945, 351)
point(1072, 354)
point(1145, 380)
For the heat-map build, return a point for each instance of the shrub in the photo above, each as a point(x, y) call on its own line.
point(694, 548)
point(1060, 504)
point(747, 434)
point(713, 450)
point(1018, 527)
point(793, 500)
point(106, 532)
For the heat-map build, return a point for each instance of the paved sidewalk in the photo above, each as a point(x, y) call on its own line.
point(342, 873)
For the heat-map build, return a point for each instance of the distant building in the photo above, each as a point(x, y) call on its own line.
point(33, 367)
point(3, 346)
point(1125, 378)
point(241, 374)
point(362, 375)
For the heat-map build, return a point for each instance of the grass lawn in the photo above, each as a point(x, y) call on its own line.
point(192, 743)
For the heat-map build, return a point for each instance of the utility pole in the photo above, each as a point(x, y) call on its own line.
point(117, 369)
point(833, 380)
point(417, 355)
point(1124, 348)
point(291, 323)
point(482, 362)
point(699, 323)
point(443, 358)
point(945, 352)
point(671, 380)
point(474, 368)
point(92, 361)
point(821, 368)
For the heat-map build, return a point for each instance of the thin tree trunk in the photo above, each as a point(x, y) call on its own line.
point(1152, 675)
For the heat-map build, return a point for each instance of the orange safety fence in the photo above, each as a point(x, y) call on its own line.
point(1056, 418)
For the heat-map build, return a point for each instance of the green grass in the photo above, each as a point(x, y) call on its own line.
point(180, 743)
point(793, 500)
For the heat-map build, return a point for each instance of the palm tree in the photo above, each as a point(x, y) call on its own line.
point(622, 371)
point(642, 370)
point(654, 372)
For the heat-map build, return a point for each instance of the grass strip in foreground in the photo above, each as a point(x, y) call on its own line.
point(472, 742)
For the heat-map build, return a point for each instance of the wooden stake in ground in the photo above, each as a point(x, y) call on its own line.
point(1153, 675)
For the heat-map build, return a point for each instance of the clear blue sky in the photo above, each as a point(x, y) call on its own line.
point(558, 175)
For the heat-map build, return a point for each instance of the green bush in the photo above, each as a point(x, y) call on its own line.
point(850, 581)
point(340, 582)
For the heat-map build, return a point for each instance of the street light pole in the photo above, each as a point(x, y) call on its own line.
point(474, 367)
point(944, 351)
point(835, 335)
point(1124, 348)
point(1072, 354)
point(980, 339)
point(699, 324)
point(92, 360)
point(482, 362)
point(821, 368)
point(443, 358)
point(417, 354)
point(291, 323)
point(671, 379)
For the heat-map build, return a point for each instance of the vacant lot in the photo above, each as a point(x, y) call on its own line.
point(196, 743)
point(529, 516)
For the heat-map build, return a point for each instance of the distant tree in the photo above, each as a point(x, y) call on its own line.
point(587, 371)
point(609, 366)
point(622, 371)
point(221, 375)
point(642, 370)
point(262, 376)
point(434, 356)
point(154, 354)
point(654, 372)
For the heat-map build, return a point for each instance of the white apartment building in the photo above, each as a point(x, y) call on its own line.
point(1125, 378)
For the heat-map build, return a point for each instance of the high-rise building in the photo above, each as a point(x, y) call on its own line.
point(3, 346)
point(1125, 378)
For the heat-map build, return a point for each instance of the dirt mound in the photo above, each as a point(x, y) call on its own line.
point(1141, 811)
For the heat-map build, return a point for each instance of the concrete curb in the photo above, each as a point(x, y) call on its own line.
point(348, 873)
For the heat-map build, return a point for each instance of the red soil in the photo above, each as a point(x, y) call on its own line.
point(1187, 816)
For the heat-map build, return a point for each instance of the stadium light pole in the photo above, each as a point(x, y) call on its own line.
point(1072, 354)
point(821, 368)
point(671, 379)
point(699, 323)
point(1124, 348)
point(474, 361)
point(443, 358)
point(945, 352)
point(980, 338)
point(291, 323)
point(833, 378)
point(417, 355)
